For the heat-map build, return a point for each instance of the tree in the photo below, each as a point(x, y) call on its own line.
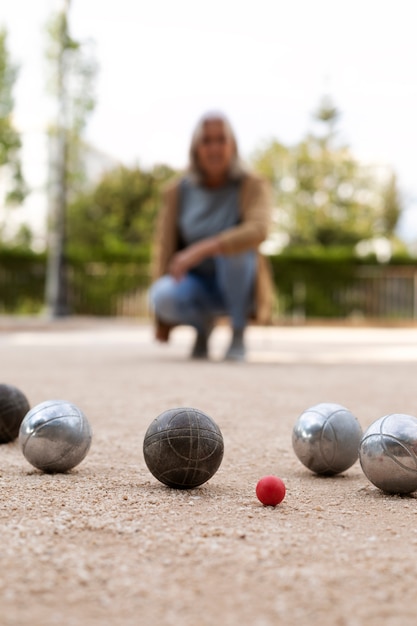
point(10, 142)
point(118, 214)
point(323, 194)
point(73, 70)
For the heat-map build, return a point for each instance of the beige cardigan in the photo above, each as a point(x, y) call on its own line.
point(255, 213)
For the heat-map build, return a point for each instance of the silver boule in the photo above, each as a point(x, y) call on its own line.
point(326, 438)
point(55, 436)
point(388, 453)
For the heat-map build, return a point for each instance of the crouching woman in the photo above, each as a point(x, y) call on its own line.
point(206, 259)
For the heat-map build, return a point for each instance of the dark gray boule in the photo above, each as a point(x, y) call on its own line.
point(183, 448)
point(13, 408)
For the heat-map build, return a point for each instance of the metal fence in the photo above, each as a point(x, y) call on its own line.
point(110, 289)
point(374, 292)
point(95, 288)
point(390, 293)
point(121, 289)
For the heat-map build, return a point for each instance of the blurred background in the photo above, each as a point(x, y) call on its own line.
point(97, 105)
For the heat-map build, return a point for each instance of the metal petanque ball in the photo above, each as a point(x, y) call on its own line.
point(55, 436)
point(326, 438)
point(388, 453)
point(13, 408)
point(183, 448)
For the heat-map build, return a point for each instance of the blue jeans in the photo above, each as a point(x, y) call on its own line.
point(197, 298)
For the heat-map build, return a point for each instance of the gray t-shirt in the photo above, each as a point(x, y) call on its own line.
point(205, 213)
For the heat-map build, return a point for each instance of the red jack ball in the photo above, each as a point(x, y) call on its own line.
point(270, 490)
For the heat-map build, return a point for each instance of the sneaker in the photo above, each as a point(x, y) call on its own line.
point(236, 350)
point(200, 348)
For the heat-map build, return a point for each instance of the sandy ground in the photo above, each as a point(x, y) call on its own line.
point(107, 544)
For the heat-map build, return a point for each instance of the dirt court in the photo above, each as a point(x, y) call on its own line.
point(106, 544)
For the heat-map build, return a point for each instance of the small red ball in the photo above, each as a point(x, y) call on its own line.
point(270, 490)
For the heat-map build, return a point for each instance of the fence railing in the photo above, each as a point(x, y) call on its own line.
point(391, 293)
point(373, 292)
point(110, 289)
point(95, 288)
point(120, 288)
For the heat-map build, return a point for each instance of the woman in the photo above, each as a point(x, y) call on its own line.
point(210, 226)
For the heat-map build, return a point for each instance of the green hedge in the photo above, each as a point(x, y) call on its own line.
point(96, 287)
point(22, 281)
point(335, 283)
point(313, 283)
point(95, 284)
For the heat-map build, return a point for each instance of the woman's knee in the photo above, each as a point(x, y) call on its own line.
point(235, 270)
point(162, 296)
point(239, 263)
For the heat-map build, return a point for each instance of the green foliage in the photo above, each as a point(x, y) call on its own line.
point(334, 283)
point(98, 286)
point(308, 281)
point(392, 205)
point(101, 280)
point(326, 111)
point(72, 72)
point(118, 215)
point(22, 277)
point(9, 137)
point(323, 194)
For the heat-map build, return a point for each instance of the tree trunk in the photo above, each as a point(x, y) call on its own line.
point(57, 270)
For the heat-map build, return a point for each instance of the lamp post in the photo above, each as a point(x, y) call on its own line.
point(57, 271)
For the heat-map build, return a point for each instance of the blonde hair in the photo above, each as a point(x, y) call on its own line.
point(237, 168)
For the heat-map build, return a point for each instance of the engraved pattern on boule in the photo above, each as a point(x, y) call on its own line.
point(388, 453)
point(55, 436)
point(326, 438)
point(183, 447)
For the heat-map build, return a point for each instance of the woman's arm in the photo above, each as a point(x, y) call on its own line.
point(191, 256)
point(166, 232)
point(256, 207)
point(248, 234)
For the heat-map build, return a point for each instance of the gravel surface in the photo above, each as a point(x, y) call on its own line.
point(106, 544)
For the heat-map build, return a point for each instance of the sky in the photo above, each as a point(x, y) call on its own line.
point(266, 64)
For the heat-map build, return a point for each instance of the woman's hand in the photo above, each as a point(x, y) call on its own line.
point(188, 258)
